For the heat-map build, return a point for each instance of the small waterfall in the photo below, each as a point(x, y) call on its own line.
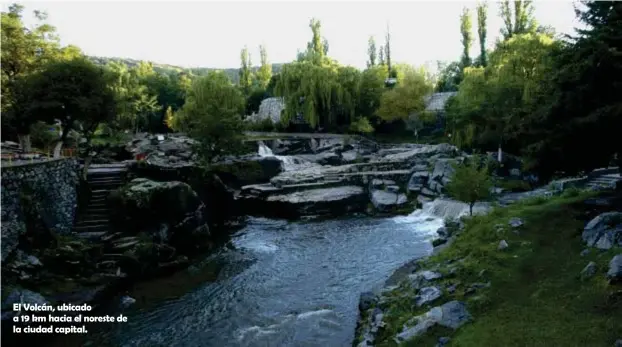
point(264, 151)
point(290, 163)
point(447, 208)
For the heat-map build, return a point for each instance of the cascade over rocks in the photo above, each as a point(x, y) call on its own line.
point(386, 178)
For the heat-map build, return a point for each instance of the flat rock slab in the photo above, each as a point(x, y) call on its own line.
point(319, 195)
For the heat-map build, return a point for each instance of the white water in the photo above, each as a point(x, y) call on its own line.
point(290, 163)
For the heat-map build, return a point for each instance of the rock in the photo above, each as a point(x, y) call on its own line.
point(443, 232)
point(588, 271)
point(604, 231)
point(385, 201)
point(270, 108)
point(417, 181)
point(443, 168)
point(584, 252)
point(515, 172)
point(430, 275)
point(248, 170)
point(451, 315)
point(418, 279)
point(23, 296)
point(454, 315)
point(502, 245)
point(515, 222)
point(350, 156)
point(615, 269)
point(367, 300)
point(442, 341)
point(126, 301)
point(451, 288)
point(145, 205)
point(322, 201)
point(618, 343)
point(427, 295)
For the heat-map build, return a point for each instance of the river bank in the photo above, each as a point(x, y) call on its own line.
point(513, 277)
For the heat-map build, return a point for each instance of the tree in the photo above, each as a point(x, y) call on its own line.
point(325, 95)
point(387, 48)
point(246, 75)
point(449, 76)
point(264, 74)
point(371, 52)
point(519, 21)
point(136, 104)
point(470, 184)
point(25, 51)
point(493, 102)
point(371, 87)
point(466, 30)
point(399, 103)
point(482, 15)
point(73, 93)
point(317, 48)
point(212, 115)
point(381, 60)
point(582, 100)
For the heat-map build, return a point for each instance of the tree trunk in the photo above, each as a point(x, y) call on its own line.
point(57, 148)
point(24, 142)
point(87, 162)
point(471, 208)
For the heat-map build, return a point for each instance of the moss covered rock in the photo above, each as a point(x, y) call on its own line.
point(169, 212)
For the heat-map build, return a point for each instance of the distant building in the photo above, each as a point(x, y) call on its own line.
point(437, 101)
point(435, 104)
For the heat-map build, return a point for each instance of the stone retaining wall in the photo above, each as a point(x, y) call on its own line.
point(42, 194)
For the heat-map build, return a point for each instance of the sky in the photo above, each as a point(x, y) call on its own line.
point(211, 34)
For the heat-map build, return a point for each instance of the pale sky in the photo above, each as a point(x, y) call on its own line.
point(211, 34)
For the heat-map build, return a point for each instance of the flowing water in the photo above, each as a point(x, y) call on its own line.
point(290, 162)
point(284, 284)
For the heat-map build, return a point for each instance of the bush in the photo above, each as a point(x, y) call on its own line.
point(470, 183)
point(262, 125)
point(362, 126)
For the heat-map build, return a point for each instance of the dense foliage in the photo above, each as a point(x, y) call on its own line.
point(533, 94)
point(212, 115)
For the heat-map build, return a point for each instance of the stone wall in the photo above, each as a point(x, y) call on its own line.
point(41, 194)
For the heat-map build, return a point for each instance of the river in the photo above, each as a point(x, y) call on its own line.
point(279, 284)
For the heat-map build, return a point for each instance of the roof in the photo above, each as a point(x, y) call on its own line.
point(437, 101)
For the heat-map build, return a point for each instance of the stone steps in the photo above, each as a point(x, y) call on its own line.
point(93, 221)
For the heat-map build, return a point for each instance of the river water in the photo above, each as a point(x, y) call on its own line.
point(283, 284)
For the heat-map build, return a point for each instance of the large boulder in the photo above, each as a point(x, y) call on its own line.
point(323, 201)
point(387, 200)
point(248, 170)
point(604, 231)
point(169, 212)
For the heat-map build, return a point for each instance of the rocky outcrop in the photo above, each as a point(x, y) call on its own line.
point(333, 201)
point(37, 198)
point(166, 212)
point(604, 231)
point(392, 177)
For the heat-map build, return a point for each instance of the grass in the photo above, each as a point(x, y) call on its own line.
point(513, 185)
point(536, 297)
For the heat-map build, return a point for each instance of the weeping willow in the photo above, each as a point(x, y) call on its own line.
point(324, 94)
